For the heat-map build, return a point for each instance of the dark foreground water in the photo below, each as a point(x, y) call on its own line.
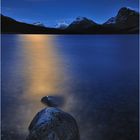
point(96, 75)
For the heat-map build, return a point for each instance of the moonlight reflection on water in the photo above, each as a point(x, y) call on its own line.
point(43, 70)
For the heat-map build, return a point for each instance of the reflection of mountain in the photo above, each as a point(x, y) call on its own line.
point(126, 21)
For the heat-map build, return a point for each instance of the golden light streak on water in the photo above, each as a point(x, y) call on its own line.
point(44, 69)
point(44, 74)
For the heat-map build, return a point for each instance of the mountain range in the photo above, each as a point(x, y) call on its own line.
point(125, 22)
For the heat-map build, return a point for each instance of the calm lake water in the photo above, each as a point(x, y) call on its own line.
point(97, 75)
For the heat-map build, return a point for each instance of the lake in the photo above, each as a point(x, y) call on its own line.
point(96, 75)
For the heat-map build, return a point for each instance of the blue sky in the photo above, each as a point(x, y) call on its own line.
point(51, 12)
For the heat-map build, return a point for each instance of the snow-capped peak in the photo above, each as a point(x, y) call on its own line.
point(62, 25)
point(111, 21)
point(79, 19)
point(39, 24)
point(123, 15)
point(128, 9)
point(81, 23)
point(83, 20)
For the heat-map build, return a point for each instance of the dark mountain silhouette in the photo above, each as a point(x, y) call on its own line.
point(81, 23)
point(84, 25)
point(126, 19)
point(125, 22)
point(9, 25)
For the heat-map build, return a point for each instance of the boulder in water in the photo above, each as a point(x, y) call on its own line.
point(53, 124)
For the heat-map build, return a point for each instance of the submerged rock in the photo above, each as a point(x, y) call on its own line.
point(53, 124)
point(53, 101)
